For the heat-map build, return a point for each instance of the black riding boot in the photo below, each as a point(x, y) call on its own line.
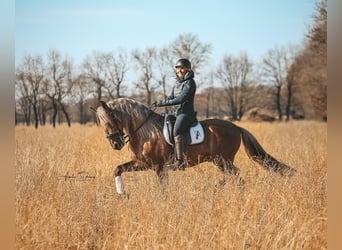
point(179, 150)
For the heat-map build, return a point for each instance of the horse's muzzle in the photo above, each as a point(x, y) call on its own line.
point(118, 145)
point(118, 141)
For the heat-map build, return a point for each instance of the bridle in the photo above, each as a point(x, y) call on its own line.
point(119, 137)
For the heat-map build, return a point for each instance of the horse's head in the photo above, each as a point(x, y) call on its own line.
point(112, 126)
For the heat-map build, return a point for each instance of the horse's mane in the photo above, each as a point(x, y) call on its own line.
point(144, 122)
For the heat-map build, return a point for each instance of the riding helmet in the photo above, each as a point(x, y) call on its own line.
point(183, 63)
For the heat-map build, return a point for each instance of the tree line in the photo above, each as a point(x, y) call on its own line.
point(290, 80)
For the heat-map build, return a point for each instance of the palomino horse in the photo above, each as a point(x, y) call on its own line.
point(127, 121)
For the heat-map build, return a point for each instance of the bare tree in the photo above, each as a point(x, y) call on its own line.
point(115, 67)
point(94, 69)
point(208, 93)
point(145, 63)
point(276, 65)
point(80, 93)
point(189, 46)
point(165, 71)
point(233, 74)
point(23, 96)
point(29, 78)
point(59, 84)
point(291, 80)
point(43, 108)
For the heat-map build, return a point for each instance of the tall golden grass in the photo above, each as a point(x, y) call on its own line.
point(66, 198)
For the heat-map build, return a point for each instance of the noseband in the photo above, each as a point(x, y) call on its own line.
point(119, 138)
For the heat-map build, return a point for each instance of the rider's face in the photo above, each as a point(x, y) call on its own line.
point(181, 71)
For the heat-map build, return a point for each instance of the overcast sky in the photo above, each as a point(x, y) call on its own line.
point(78, 27)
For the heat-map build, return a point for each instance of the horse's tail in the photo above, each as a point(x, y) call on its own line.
point(256, 152)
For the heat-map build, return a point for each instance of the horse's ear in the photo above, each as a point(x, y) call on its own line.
point(93, 109)
point(104, 105)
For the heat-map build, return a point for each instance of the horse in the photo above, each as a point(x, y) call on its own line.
point(128, 122)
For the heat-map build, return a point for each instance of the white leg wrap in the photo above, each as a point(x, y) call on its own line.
point(119, 185)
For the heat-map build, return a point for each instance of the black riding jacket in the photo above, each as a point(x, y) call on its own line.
point(183, 94)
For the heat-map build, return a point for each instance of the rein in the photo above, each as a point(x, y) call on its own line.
point(151, 112)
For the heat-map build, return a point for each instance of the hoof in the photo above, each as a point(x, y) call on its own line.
point(122, 196)
point(221, 183)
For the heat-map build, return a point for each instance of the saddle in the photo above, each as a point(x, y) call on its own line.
point(193, 135)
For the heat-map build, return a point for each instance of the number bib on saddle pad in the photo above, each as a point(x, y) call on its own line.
point(194, 136)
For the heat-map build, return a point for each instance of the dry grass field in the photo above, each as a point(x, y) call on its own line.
point(66, 198)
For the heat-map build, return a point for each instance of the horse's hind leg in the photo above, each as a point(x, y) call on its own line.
point(228, 167)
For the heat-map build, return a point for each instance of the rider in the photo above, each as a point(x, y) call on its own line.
point(182, 97)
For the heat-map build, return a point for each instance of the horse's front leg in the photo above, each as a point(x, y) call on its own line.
point(126, 167)
point(162, 173)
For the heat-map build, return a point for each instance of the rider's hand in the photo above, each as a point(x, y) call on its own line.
point(158, 103)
